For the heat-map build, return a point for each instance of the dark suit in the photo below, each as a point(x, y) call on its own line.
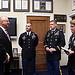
point(5, 45)
point(52, 40)
point(28, 44)
point(71, 60)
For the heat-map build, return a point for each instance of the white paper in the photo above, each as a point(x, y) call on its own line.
point(5, 4)
point(17, 4)
point(36, 5)
point(24, 4)
point(68, 50)
point(48, 5)
point(0, 4)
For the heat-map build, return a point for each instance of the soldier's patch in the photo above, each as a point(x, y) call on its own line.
point(48, 35)
point(72, 38)
point(33, 36)
point(23, 37)
point(74, 42)
point(57, 33)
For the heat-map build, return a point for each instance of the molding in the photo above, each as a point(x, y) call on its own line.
point(36, 14)
point(72, 14)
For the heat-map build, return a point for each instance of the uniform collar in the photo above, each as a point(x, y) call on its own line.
point(29, 33)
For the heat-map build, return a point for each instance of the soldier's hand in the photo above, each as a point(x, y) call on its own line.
point(47, 49)
point(52, 49)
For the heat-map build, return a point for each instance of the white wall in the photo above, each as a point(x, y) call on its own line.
point(59, 7)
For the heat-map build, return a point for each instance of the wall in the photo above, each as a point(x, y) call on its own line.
point(59, 7)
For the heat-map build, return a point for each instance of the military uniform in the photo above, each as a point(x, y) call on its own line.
point(28, 44)
point(71, 58)
point(53, 39)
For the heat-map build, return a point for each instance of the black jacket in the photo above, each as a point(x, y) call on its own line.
point(5, 46)
point(52, 40)
point(71, 59)
point(28, 44)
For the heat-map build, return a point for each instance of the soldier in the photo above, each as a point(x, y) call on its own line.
point(53, 41)
point(71, 60)
point(28, 41)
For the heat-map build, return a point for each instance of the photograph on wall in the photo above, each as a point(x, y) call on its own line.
point(15, 52)
point(61, 27)
point(43, 6)
point(60, 18)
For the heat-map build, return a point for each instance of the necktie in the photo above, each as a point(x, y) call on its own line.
point(7, 34)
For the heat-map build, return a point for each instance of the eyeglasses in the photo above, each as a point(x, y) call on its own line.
point(6, 20)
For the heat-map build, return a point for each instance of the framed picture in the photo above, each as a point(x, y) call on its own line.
point(21, 5)
point(4, 5)
point(15, 52)
point(73, 4)
point(61, 27)
point(43, 6)
point(60, 18)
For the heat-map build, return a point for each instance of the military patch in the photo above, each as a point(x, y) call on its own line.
point(23, 37)
point(48, 35)
point(72, 38)
point(57, 33)
point(74, 42)
point(33, 36)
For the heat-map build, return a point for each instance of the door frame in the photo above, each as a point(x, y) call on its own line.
point(36, 14)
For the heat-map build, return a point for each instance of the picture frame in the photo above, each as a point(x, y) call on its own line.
point(21, 5)
point(73, 5)
point(4, 5)
point(60, 18)
point(43, 6)
point(15, 52)
point(61, 27)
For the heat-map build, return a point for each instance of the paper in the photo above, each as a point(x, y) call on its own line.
point(17, 4)
point(0, 4)
point(48, 5)
point(25, 4)
point(36, 5)
point(67, 51)
point(5, 4)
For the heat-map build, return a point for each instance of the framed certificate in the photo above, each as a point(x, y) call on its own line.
point(21, 5)
point(43, 6)
point(4, 5)
point(73, 5)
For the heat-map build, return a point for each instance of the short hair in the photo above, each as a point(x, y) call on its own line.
point(29, 23)
point(72, 22)
point(54, 21)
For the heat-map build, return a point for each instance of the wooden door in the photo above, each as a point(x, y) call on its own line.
point(40, 25)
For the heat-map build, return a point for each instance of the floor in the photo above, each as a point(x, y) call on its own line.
point(64, 72)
